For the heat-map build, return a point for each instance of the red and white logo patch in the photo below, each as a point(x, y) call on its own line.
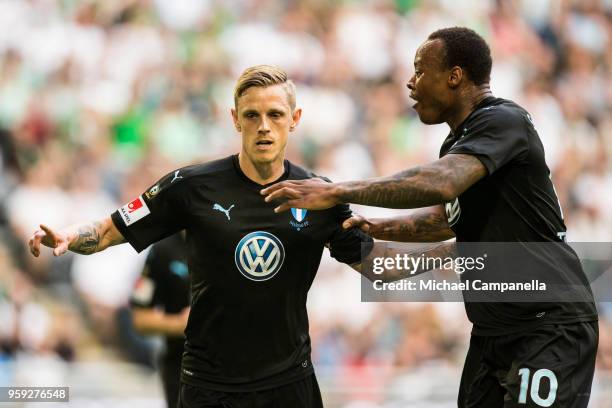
point(134, 211)
point(134, 205)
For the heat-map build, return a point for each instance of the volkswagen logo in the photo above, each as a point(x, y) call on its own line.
point(259, 255)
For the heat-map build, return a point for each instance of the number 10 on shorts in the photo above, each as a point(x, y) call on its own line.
point(536, 380)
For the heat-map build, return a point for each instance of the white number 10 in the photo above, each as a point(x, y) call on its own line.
point(535, 387)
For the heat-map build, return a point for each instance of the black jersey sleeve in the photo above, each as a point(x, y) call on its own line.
point(159, 212)
point(346, 245)
point(495, 136)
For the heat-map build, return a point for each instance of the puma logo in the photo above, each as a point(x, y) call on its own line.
point(223, 210)
point(176, 176)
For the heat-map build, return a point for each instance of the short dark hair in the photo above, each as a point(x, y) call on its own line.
point(466, 49)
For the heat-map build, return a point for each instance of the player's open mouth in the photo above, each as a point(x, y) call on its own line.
point(264, 144)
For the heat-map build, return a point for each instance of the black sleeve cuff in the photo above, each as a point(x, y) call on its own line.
point(350, 256)
point(127, 234)
point(137, 305)
point(485, 160)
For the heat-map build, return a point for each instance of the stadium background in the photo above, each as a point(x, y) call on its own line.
point(100, 98)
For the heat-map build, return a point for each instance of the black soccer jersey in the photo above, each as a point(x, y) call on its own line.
point(164, 284)
point(516, 202)
point(250, 270)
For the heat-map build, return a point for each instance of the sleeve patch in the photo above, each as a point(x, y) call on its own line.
point(134, 211)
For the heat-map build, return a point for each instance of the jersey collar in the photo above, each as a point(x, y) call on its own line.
point(252, 183)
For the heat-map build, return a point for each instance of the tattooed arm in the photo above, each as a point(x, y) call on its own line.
point(423, 225)
point(421, 186)
point(442, 250)
point(83, 239)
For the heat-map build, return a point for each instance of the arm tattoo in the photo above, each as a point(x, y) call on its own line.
point(421, 186)
point(408, 189)
point(428, 225)
point(88, 239)
point(441, 251)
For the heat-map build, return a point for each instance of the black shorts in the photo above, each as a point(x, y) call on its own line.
point(300, 394)
point(170, 375)
point(551, 366)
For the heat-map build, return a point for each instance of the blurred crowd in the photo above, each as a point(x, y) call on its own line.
point(98, 99)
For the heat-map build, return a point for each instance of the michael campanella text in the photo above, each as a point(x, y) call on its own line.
point(466, 285)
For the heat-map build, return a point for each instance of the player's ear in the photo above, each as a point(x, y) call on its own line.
point(455, 77)
point(295, 116)
point(235, 119)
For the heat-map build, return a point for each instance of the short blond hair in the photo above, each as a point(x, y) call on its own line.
point(264, 76)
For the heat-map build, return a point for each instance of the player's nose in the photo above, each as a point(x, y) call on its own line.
point(264, 125)
point(410, 84)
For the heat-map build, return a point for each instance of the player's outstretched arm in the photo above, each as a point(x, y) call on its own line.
point(421, 186)
point(424, 225)
point(84, 239)
point(380, 250)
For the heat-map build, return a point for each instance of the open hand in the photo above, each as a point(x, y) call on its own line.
point(48, 238)
point(311, 194)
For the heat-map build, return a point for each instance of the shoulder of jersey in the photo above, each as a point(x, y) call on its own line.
point(188, 174)
point(504, 112)
point(300, 173)
point(181, 180)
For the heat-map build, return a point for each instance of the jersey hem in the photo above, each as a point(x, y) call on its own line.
point(480, 331)
point(259, 385)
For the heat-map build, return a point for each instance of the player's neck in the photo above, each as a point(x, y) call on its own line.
point(468, 100)
point(261, 173)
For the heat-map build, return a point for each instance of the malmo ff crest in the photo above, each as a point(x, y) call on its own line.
point(299, 215)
